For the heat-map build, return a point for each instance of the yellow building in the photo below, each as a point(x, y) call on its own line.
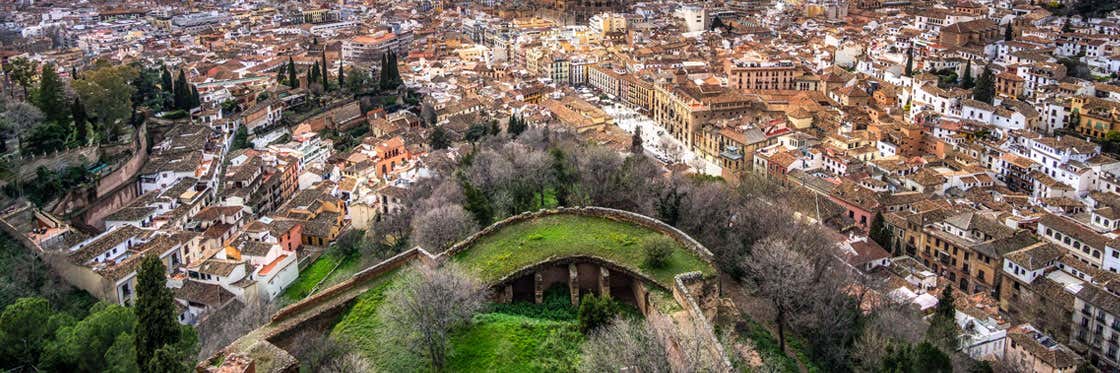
point(1095, 117)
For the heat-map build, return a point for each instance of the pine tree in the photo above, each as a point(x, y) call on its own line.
point(717, 23)
point(51, 96)
point(985, 86)
point(155, 311)
point(293, 80)
point(438, 139)
point(478, 204)
point(166, 360)
point(966, 81)
point(942, 330)
point(909, 62)
point(1008, 34)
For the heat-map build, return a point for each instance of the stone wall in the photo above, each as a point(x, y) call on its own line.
point(56, 161)
point(600, 212)
point(683, 292)
point(355, 281)
point(127, 172)
point(318, 310)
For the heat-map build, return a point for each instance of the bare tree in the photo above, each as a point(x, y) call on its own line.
point(319, 352)
point(439, 228)
point(782, 276)
point(624, 345)
point(392, 228)
point(535, 168)
point(21, 117)
point(598, 166)
point(446, 192)
point(349, 362)
point(690, 347)
point(427, 307)
point(490, 171)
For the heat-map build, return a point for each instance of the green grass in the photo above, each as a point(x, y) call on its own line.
point(518, 337)
point(555, 236)
point(499, 342)
point(359, 324)
point(799, 349)
point(308, 278)
point(767, 347)
point(348, 267)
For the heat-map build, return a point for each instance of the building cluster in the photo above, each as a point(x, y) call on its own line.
point(974, 135)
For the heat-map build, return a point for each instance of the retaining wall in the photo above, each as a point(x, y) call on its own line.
point(329, 303)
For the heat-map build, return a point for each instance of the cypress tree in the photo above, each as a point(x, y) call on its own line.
point(341, 78)
point(383, 73)
point(394, 68)
point(985, 86)
point(323, 69)
point(74, 72)
point(195, 101)
point(516, 126)
point(166, 82)
point(78, 113)
point(313, 75)
point(155, 311)
point(966, 81)
point(182, 94)
point(636, 141)
point(293, 81)
point(1008, 34)
point(282, 74)
point(879, 232)
point(909, 62)
point(50, 98)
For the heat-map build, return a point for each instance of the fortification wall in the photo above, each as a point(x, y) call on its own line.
point(318, 310)
point(58, 160)
point(600, 212)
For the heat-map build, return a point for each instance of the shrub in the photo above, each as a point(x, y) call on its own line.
point(557, 306)
point(658, 252)
point(176, 114)
point(595, 312)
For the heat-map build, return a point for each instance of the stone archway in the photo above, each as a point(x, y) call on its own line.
point(581, 275)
